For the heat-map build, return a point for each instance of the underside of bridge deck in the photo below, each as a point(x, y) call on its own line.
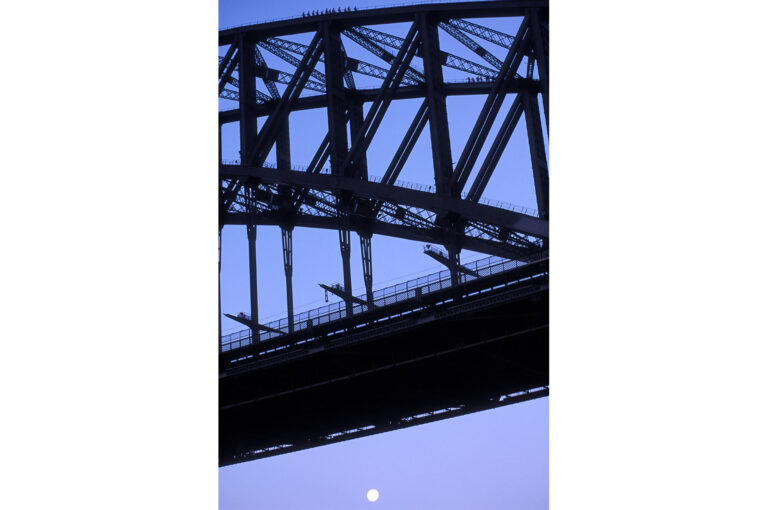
point(444, 361)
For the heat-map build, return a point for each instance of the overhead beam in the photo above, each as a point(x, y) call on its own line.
point(511, 220)
point(514, 85)
point(423, 235)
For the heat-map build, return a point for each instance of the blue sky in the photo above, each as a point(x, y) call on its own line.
point(493, 459)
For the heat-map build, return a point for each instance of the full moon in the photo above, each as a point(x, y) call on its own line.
point(372, 495)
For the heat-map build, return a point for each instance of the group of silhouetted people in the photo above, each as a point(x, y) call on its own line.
point(479, 80)
point(327, 11)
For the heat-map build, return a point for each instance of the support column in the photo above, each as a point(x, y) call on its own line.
point(435, 96)
point(365, 249)
point(247, 92)
point(344, 245)
point(288, 265)
point(283, 153)
point(538, 152)
point(355, 126)
point(252, 280)
point(283, 145)
point(335, 95)
point(453, 257)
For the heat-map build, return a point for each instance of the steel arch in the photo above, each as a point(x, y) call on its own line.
point(452, 211)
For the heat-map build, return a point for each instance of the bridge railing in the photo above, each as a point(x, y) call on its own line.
point(387, 296)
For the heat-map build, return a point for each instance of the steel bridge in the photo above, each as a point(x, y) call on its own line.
point(472, 337)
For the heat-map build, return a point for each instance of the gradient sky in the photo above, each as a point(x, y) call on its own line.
point(492, 459)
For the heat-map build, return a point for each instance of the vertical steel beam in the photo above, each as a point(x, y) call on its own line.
point(435, 96)
point(337, 132)
point(251, 229)
point(248, 133)
point(360, 167)
point(334, 87)
point(247, 91)
point(287, 235)
point(345, 251)
point(453, 257)
point(283, 153)
point(542, 58)
point(365, 249)
point(538, 152)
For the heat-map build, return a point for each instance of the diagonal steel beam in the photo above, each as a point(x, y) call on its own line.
point(266, 138)
point(284, 55)
point(384, 97)
point(292, 92)
point(352, 64)
point(472, 45)
point(497, 148)
point(225, 75)
point(261, 64)
point(446, 59)
point(275, 75)
point(226, 59)
point(490, 109)
point(406, 145)
point(348, 78)
point(411, 74)
point(403, 151)
point(538, 152)
point(490, 35)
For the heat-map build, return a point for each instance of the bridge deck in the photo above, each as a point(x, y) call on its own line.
point(480, 345)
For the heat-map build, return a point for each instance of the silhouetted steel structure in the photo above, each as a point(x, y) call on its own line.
point(355, 369)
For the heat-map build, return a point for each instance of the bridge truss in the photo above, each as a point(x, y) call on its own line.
point(335, 190)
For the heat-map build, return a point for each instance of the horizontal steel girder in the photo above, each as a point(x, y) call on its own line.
point(514, 221)
point(422, 235)
point(402, 92)
point(370, 17)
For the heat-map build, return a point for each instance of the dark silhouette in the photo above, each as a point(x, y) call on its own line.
point(474, 336)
